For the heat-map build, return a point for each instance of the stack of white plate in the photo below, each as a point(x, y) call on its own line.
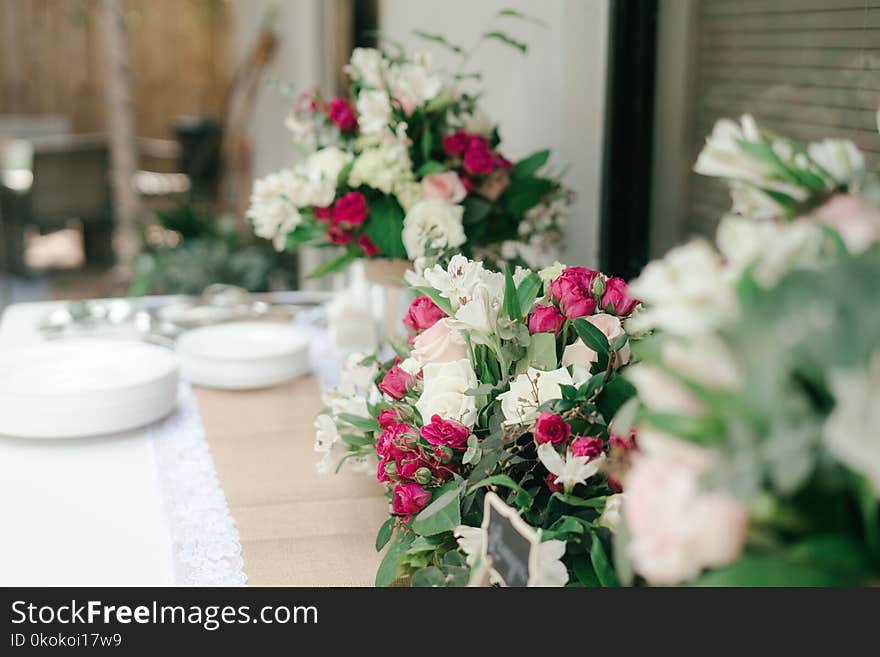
point(85, 387)
point(243, 355)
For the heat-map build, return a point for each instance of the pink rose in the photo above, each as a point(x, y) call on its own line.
point(857, 223)
point(551, 429)
point(446, 432)
point(478, 159)
point(502, 162)
point(467, 183)
point(351, 210)
point(545, 319)
point(387, 417)
point(367, 246)
point(456, 144)
point(587, 446)
point(396, 382)
point(444, 186)
point(573, 290)
point(439, 344)
point(342, 114)
point(616, 299)
point(409, 499)
point(423, 313)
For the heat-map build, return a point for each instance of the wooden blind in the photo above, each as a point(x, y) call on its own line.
point(809, 69)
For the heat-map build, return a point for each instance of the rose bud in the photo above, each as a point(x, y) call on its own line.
point(422, 475)
point(545, 319)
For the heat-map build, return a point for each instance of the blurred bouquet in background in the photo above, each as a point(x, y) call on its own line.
point(406, 166)
point(507, 383)
point(759, 390)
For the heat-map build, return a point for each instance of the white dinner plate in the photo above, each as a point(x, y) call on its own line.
point(243, 355)
point(85, 387)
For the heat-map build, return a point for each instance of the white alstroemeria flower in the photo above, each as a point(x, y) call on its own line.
point(851, 430)
point(687, 292)
point(356, 374)
point(374, 111)
point(479, 314)
point(749, 201)
point(412, 83)
point(529, 390)
point(348, 401)
point(551, 570)
point(431, 225)
point(571, 470)
point(326, 433)
point(332, 457)
point(368, 66)
point(610, 517)
point(723, 157)
point(840, 158)
point(304, 131)
point(321, 169)
point(470, 541)
point(456, 281)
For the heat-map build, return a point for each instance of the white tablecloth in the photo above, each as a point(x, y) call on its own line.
point(143, 508)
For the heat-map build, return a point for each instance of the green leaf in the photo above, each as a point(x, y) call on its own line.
point(754, 570)
point(302, 234)
point(525, 194)
point(430, 576)
point(592, 336)
point(614, 395)
point(522, 497)
point(528, 291)
point(528, 166)
point(427, 143)
point(429, 167)
point(356, 441)
point(385, 227)
point(473, 452)
point(604, 572)
point(439, 39)
point(335, 265)
point(476, 209)
point(434, 294)
point(389, 567)
point(507, 40)
point(583, 570)
point(510, 305)
point(540, 354)
point(443, 514)
point(513, 13)
point(385, 532)
point(573, 500)
point(363, 423)
point(342, 178)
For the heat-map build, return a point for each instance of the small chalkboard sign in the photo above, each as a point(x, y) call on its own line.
point(510, 546)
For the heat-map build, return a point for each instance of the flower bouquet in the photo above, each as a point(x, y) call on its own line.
point(508, 384)
point(407, 166)
point(758, 392)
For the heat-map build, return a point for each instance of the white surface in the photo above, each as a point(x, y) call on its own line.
point(84, 387)
point(91, 511)
point(243, 355)
point(552, 97)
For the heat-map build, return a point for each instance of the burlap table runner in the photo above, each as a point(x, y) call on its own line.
point(297, 527)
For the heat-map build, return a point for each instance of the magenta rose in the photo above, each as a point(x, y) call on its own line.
point(395, 440)
point(324, 214)
point(422, 314)
point(351, 210)
point(456, 144)
point(551, 429)
point(478, 160)
point(587, 446)
point(552, 485)
point(387, 417)
point(446, 432)
point(367, 246)
point(337, 234)
point(616, 299)
point(573, 291)
point(545, 319)
point(409, 499)
point(342, 114)
point(396, 382)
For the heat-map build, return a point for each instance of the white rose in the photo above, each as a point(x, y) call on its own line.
point(439, 344)
point(412, 84)
point(374, 111)
point(304, 131)
point(851, 430)
point(676, 527)
point(528, 391)
point(273, 214)
point(432, 225)
point(443, 388)
point(368, 66)
point(581, 357)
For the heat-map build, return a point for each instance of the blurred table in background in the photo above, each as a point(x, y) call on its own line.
point(297, 527)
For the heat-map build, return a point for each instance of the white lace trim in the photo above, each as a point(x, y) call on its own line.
point(204, 539)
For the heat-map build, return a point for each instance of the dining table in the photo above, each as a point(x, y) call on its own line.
point(87, 511)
